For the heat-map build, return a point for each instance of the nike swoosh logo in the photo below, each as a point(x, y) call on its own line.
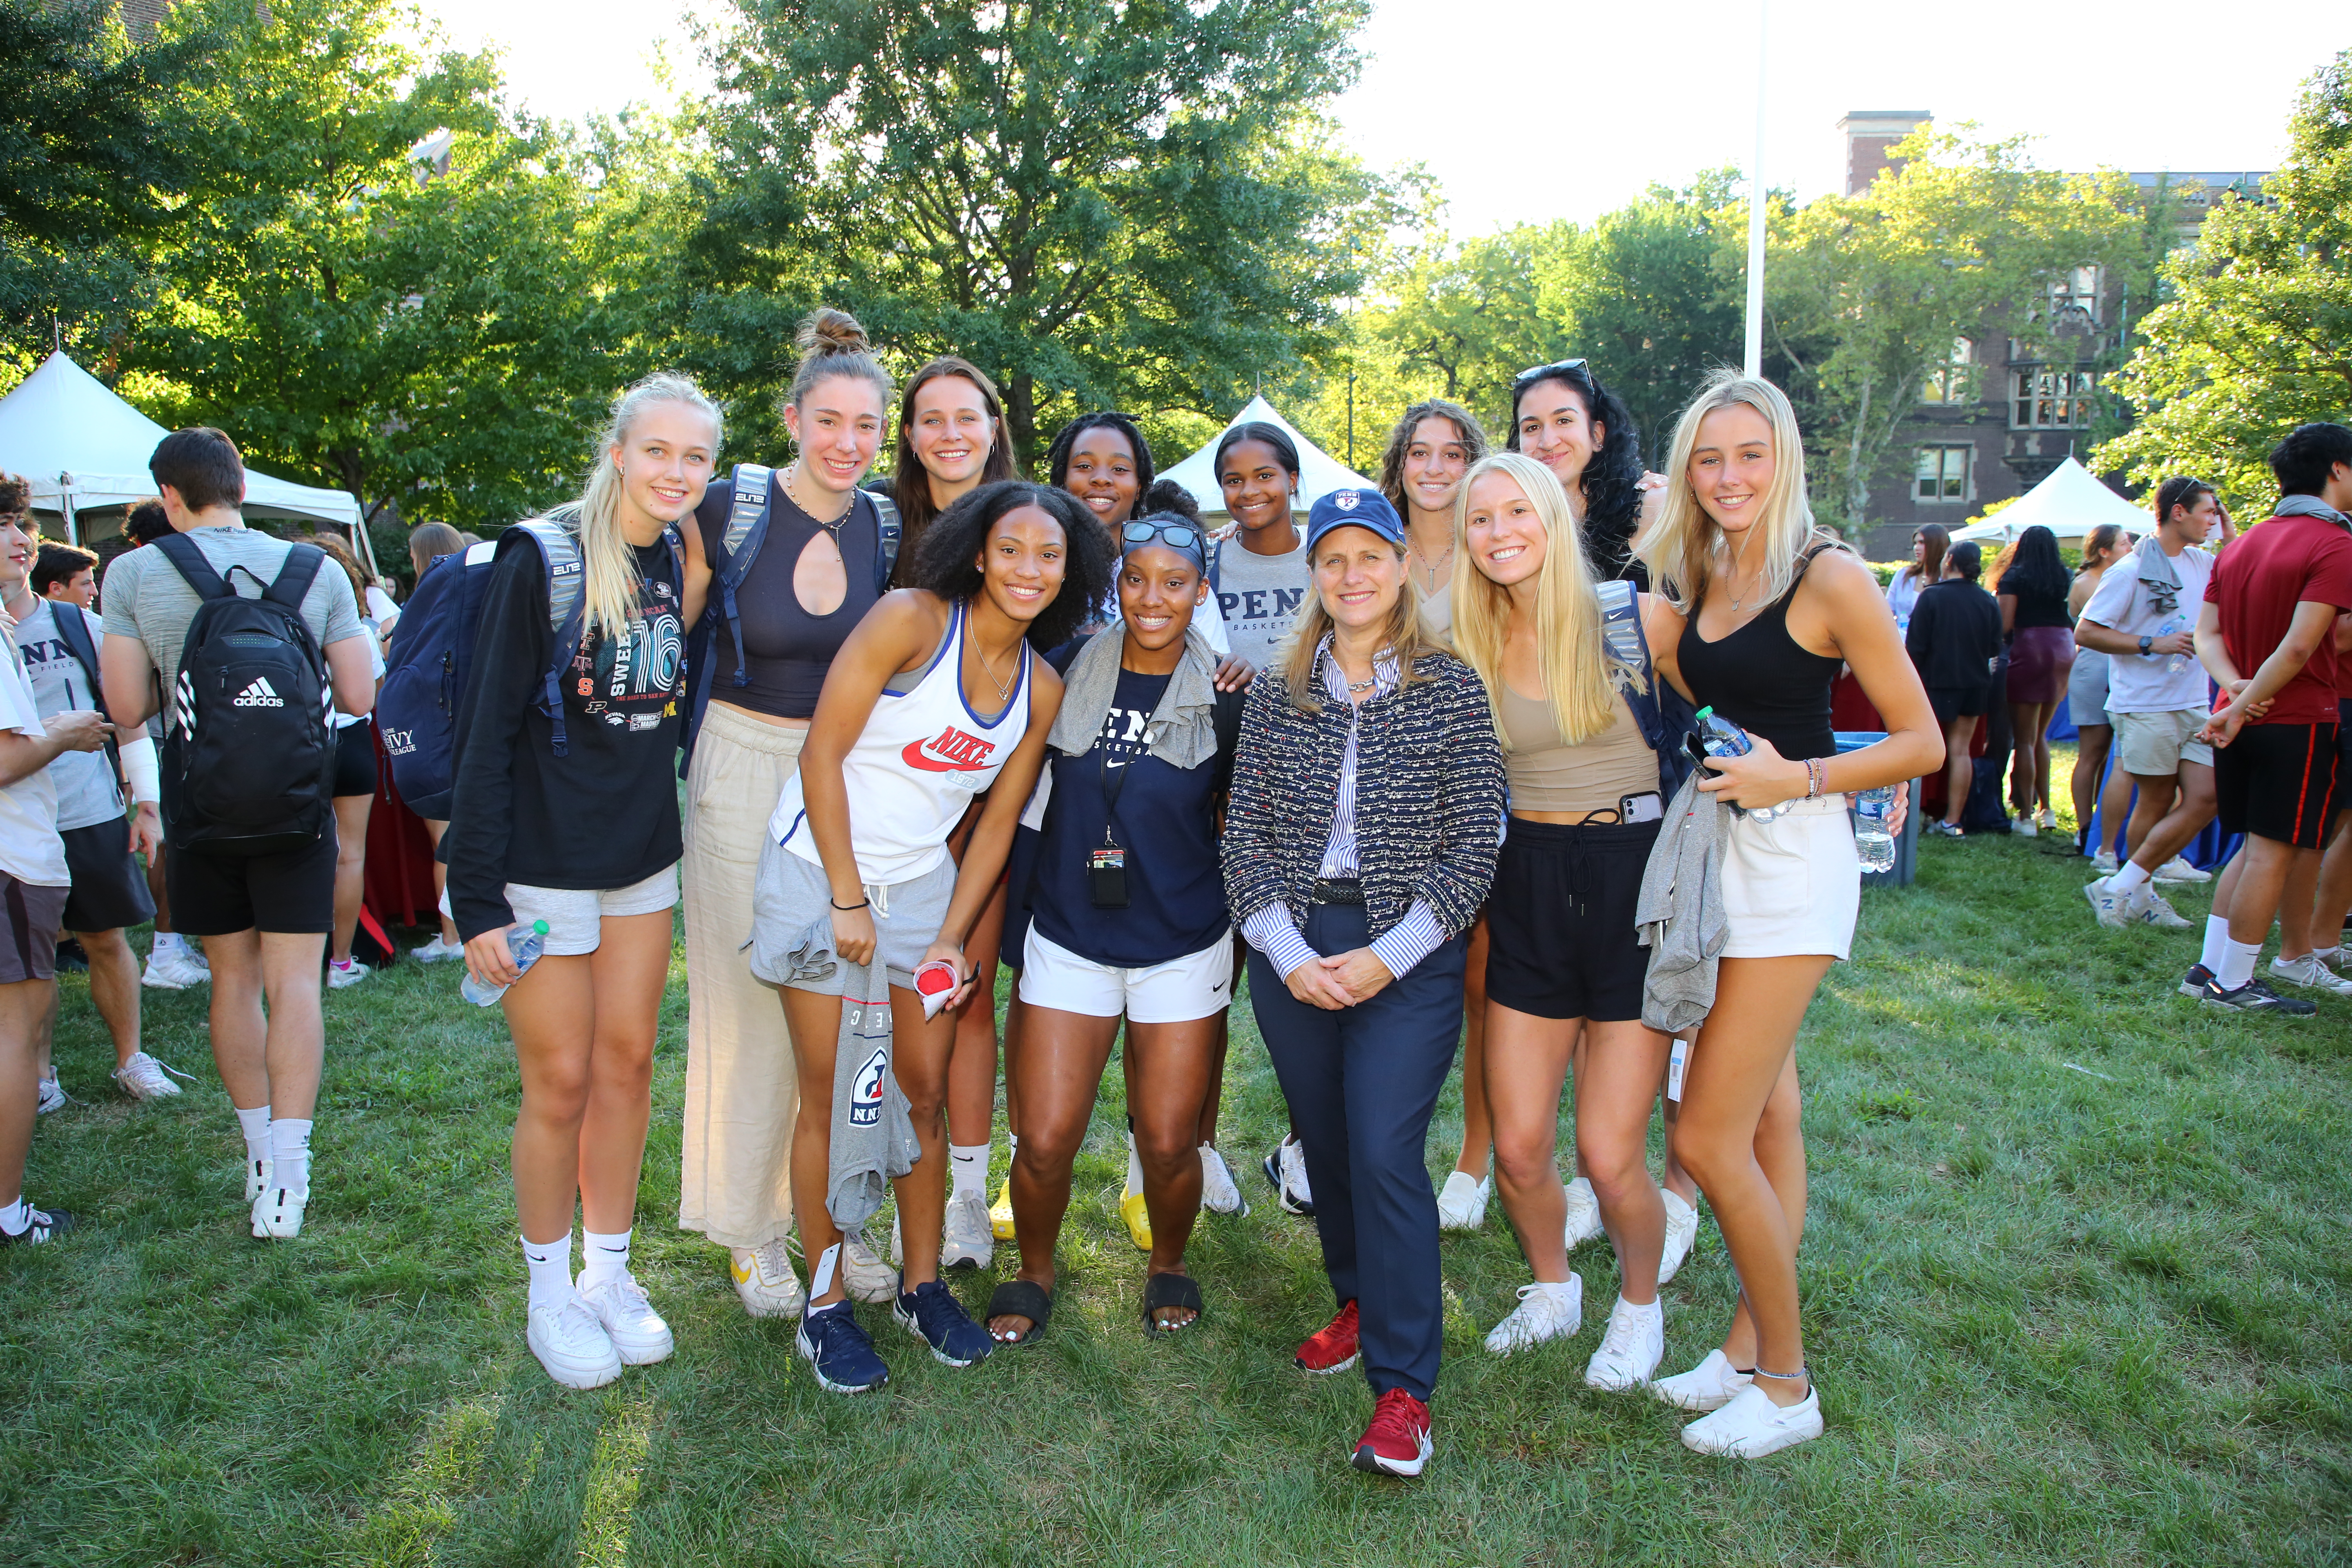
point(915, 757)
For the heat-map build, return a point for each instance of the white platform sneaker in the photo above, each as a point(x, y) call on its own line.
point(1710, 1385)
point(1544, 1312)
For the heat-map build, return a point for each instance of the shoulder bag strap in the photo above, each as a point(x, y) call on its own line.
point(558, 555)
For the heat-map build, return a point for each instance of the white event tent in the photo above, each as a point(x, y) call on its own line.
point(2070, 503)
point(83, 447)
point(1319, 473)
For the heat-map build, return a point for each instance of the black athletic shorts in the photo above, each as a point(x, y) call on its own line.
point(1559, 920)
point(355, 760)
point(1952, 702)
point(110, 885)
point(215, 895)
point(2278, 782)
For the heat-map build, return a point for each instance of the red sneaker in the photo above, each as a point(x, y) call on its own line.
point(1397, 1442)
point(1334, 1349)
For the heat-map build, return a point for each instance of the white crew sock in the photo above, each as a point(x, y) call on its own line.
point(1134, 1167)
point(968, 1163)
point(2217, 939)
point(550, 1263)
point(603, 1257)
point(2126, 876)
point(289, 1153)
point(256, 1126)
point(2237, 964)
point(17, 1219)
point(2327, 955)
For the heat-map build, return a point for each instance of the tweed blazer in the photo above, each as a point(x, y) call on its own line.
point(1429, 798)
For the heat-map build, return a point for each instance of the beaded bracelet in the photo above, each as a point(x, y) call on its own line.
point(1812, 778)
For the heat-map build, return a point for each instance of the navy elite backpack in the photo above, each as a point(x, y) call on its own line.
point(1663, 713)
point(739, 547)
point(249, 762)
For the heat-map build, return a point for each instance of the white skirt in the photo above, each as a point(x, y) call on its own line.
point(1792, 884)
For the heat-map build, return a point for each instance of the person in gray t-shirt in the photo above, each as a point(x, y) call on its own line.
point(1261, 573)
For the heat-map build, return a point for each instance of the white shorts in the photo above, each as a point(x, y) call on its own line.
point(1177, 992)
point(1792, 884)
point(575, 916)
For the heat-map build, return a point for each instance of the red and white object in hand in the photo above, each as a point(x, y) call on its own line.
point(936, 982)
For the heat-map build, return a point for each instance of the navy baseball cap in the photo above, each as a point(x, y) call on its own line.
point(1354, 508)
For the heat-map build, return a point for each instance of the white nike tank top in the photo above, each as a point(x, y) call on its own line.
point(922, 756)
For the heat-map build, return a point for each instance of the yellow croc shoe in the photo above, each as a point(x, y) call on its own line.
point(999, 1213)
point(1131, 1209)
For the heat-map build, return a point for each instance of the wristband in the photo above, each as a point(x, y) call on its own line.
point(139, 765)
point(845, 909)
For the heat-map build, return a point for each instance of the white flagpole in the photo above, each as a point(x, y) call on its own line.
point(1756, 205)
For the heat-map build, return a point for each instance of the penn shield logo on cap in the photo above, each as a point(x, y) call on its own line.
point(1346, 500)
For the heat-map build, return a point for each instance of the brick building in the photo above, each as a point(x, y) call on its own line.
point(1995, 421)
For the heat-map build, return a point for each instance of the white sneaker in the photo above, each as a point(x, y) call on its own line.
point(2149, 907)
point(278, 1213)
point(865, 1277)
point(1463, 1205)
point(2108, 904)
point(144, 1078)
point(2023, 827)
point(172, 970)
point(1583, 1213)
point(257, 1177)
point(2046, 820)
point(52, 1097)
point(637, 1332)
point(1682, 1234)
point(1630, 1347)
point(2179, 870)
point(571, 1344)
point(1751, 1425)
point(345, 973)
point(437, 951)
point(2310, 973)
point(1220, 1194)
point(1709, 1385)
point(195, 958)
point(966, 1239)
point(1544, 1312)
point(764, 1280)
point(2104, 863)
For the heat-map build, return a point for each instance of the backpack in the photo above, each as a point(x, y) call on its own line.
point(250, 764)
point(73, 630)
point(1664, 715)
point(432, 654)
point(738, 548)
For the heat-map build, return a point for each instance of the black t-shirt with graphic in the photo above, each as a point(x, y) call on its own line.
point(1165, 819)
point(603, 814)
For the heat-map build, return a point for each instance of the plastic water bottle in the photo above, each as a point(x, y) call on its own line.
point(2175, 663)
point(1722, 737)
point(525, 944)
point(1871, 838)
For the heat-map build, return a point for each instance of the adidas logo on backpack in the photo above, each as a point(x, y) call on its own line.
point(258, 695)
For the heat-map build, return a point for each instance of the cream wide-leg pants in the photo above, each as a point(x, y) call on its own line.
point(735, 1182)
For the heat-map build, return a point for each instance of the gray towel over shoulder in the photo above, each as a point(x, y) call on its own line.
point(1680, 912)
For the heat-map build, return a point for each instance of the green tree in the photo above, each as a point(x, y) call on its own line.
point(1104, 203)
point(1866, 294)
point(2256, 335)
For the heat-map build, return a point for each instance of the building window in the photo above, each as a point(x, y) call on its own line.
point(1943, 474)
point(2053, 400)
point(1951, 382)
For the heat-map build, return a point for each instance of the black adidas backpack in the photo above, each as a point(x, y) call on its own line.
point(249, 760)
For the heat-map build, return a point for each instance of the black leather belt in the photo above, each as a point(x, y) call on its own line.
point(1350, 891)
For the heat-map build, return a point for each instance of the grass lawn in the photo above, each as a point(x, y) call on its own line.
point(2076, 1274)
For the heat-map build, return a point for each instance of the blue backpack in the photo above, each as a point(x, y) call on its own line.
point(739, 547)
point(1663, 714)
point(432, 654)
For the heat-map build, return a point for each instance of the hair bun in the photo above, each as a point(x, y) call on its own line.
point(826, 331)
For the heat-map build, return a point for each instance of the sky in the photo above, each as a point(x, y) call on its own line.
point(1529, 110)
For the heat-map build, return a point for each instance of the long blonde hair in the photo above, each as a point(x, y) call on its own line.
point(1403, 639)
point(609, 578)
point(1580, 679)
point(1681, 550)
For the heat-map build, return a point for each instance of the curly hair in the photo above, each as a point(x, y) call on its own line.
point(1610, 486)
point(946, 562)
point(15, 494)
point(1058, 455)
point(1169, 496)
point(1472, 434)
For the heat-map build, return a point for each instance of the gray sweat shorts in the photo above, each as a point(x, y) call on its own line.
point(791, 894)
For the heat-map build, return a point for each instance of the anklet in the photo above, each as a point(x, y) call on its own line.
point(1801, 1374)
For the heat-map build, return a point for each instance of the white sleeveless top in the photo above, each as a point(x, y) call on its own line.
point(922, 756)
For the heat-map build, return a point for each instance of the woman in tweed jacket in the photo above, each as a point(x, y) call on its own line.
point(1367, 804)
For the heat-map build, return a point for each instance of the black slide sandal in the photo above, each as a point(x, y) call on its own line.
point(1162, 1290)
point(1020, 1298)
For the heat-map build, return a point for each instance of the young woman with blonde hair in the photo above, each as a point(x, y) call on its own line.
point(1565, 971)
point(1758, 612)
point(565, 811)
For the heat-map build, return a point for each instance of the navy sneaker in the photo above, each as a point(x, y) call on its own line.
point(2193, 983)
point(2254, 996)
point(46, 1226)
point(837, 1349)
point(931, 1313)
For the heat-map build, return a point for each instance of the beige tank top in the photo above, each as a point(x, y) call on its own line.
point(1546, 775)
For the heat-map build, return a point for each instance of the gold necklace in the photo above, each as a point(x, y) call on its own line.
point(833, 527)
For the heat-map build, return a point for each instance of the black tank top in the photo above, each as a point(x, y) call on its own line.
point(786, 649)
point(1761, 679)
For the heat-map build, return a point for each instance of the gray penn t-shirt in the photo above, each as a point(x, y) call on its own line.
point(1260, 596)
point(146, 597)
point(87, 795)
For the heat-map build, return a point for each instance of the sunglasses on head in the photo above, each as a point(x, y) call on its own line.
point(1181, 535)
point(1571, 369)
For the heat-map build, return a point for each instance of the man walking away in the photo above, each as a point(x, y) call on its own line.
point(173, 963)
point(2271, 610)
point(266, 916)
